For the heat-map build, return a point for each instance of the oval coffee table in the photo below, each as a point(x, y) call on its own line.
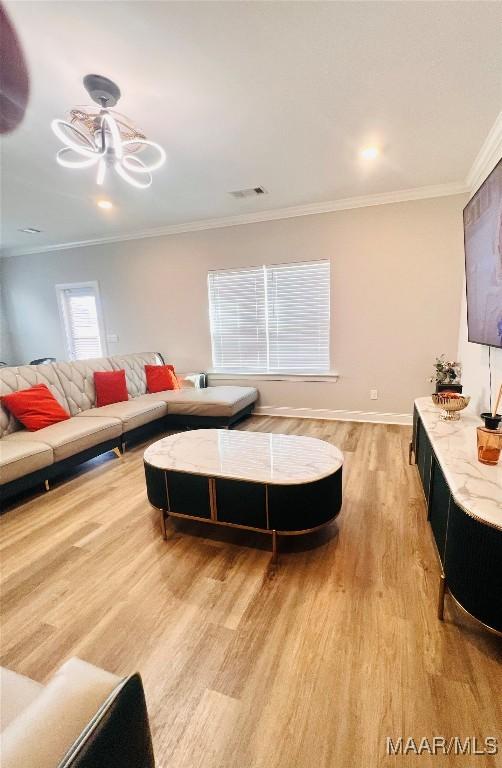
point(276, 484)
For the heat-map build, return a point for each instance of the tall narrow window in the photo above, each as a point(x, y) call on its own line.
point(81, 317)
point(271, 319)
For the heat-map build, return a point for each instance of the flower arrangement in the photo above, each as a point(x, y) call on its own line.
point(446, 371)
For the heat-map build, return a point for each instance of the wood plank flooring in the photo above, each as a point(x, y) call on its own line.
point(309, 665)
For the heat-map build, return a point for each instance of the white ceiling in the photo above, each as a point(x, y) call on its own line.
point(241, 94)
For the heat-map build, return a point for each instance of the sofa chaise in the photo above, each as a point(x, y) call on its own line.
point(83, 718)
point(28, 458)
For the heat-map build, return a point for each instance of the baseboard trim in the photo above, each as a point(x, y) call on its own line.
point(374, 417)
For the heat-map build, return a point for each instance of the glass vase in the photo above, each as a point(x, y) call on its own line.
point(489, 445)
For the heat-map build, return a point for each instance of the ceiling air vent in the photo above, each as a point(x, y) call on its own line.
point(251, 192)
point(30, 230)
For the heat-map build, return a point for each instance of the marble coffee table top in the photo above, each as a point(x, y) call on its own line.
point(260, 457)
point(476, 487)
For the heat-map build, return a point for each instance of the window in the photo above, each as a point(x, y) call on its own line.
point(81, 318)
point(271, 318)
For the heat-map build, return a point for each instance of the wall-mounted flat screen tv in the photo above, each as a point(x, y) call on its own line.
point(483, 261)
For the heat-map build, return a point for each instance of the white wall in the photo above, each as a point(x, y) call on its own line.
point(396, 280)
point(5, 342)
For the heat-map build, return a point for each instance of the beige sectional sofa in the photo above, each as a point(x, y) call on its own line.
point(30, 458)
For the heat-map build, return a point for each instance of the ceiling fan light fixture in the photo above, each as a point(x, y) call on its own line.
point(100, 177)
point(146, 169)
point(61, 159)
point(124, 174)
point(108, 142)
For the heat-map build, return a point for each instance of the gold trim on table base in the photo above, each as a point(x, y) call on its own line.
point(274, 547)
point(212, 499)
point(442, 590)
point(274, 533)
point(494, 631)
point(163, 523)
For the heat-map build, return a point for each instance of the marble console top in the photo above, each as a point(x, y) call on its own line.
point(475, 487)
point(259, 457)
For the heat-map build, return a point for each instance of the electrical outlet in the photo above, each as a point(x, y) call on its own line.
point(373, 394)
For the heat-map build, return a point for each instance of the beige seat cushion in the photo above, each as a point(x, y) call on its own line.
point(16, 693)
point(73, 435)
point(212, 401)
point(42, 734)
point(132, 413)
point(20, 457)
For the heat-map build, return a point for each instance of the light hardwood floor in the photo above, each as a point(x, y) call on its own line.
point(309, 665)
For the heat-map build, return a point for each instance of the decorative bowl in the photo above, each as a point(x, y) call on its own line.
point(451, 404)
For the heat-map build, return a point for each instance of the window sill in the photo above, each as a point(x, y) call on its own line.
point(331, 376)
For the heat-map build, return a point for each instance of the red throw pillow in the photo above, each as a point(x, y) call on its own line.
point(110, 386)
point(160, 377)
point(35, 407)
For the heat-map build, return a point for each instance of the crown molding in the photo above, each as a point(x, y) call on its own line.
point(487, 157)
point(345, 204)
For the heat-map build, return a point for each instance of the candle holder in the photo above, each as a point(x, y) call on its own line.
point(491, 421)
point(489, 445)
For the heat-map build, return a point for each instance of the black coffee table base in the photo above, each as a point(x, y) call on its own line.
point(264, 507)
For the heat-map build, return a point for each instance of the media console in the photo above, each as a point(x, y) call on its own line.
point(464, 508)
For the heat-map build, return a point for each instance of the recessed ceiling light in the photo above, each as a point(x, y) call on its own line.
point(369, 153)
point(107, 204)
point(30, 230)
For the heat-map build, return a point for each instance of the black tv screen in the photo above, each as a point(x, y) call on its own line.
point(483, 261)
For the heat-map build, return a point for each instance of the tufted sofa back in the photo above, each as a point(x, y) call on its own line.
point(22, 377)
point(134, 366)
point(77, 380)
point(72, 383)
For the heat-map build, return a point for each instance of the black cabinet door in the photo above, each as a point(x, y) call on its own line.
point(188, 494)
point(420, 456)
point(424, 458)
point(473, 566)
point(414, 438)
point(241, 503)
point(439, 501)
point(156, 487)
point(305, 506)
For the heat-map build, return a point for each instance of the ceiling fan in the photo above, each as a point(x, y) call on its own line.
point(105, 138)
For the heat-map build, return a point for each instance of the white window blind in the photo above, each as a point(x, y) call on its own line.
point(238, 319)
point(79, 305)
point(271, 318)
point(298, 316)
